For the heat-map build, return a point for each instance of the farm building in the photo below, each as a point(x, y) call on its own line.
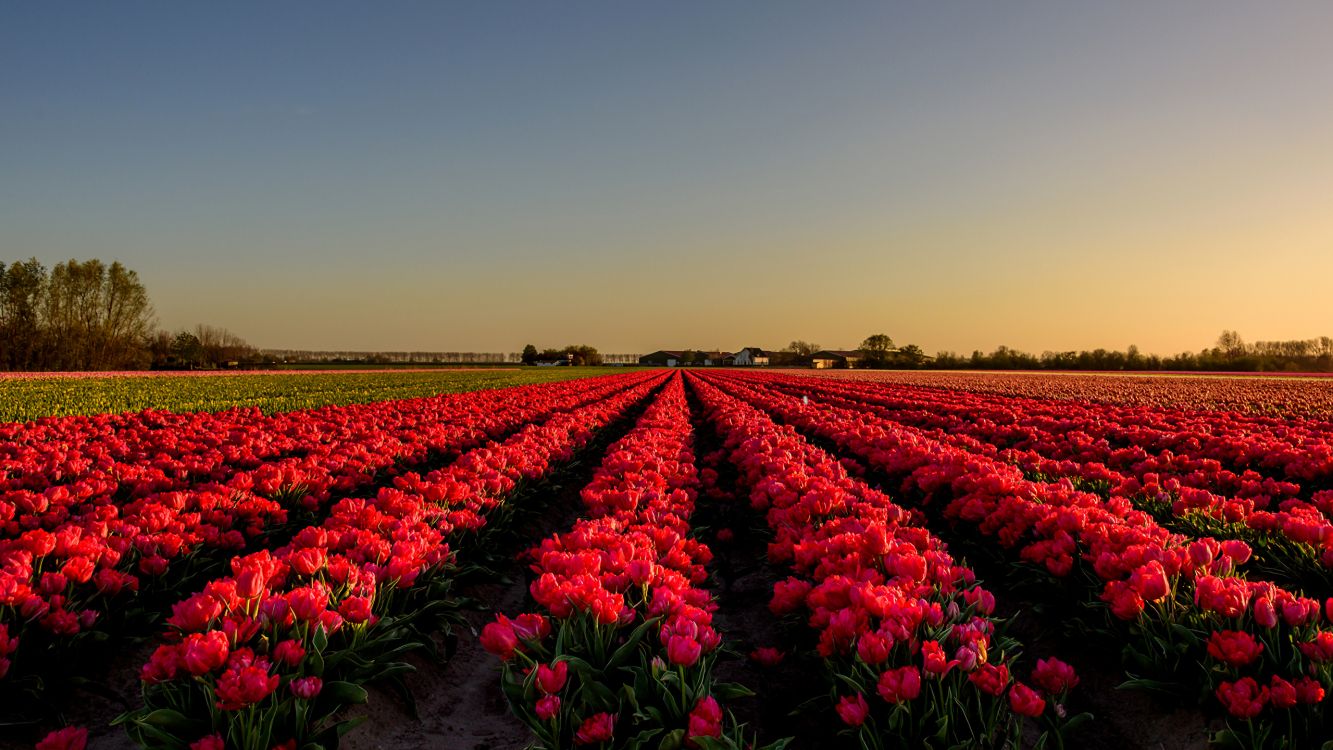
point(843, 359)
point(684, 357)
point(750, 356)
point(663, 358)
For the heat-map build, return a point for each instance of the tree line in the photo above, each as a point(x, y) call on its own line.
point(1229, 354)
point(88, 315)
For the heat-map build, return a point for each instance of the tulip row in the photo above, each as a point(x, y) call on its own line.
point(54, 471)
point(620, 652)
point(105, 558)
point(1264, 458)
point(1269, 394)
point(265, 657)
point(1296, 535)
point(896, 615)
point(1181, 601)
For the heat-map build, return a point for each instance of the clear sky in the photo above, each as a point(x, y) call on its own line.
point(481, 175)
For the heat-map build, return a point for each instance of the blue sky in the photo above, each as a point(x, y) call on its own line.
point(476, 176)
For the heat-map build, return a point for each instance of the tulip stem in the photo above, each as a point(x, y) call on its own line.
point(684, 704)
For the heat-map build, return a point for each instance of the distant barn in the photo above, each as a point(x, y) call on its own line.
point(677, 358)
point(839, 359)
point(663, 358)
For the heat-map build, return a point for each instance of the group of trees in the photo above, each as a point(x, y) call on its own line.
point(79, 316)
point(1230, 354)
point(578, 355)
point(204, 347)
point(877, 351)
point(87, 315)
point(795, 354)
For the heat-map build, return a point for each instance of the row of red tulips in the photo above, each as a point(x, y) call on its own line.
point(1264, 510)
point(905, 630)
point(265, 657)
point(619, 652)
point(1260, 395)
point(55, 471)
point(80, 562)
point(1265, 653)
point(1266, 458)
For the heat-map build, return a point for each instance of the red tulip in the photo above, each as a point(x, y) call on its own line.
point(498, 638)
point(1126, 603)
point(705, 720)
point(1149, 581)
point(990, 678)
point(853, 709)
point(767, 656)
point(1243, 698)
point(596, 728)
point(1054, 676)
point(530, 627)
point(682, 650)
point(1281, 694)
point(356, 609)
point(1264, 613)
point(205, 652)
point(1309, 691)
point(934, 659)
point(1025, 701)
point(69, 738)
point(306, 688)
point(1234, 648)
point(240, 687)
point(898, 685)
point(551, 680)
point(211, 742)
point(873, 648)
point(250, 582)
point(548, 707)
point(1238, 551)
point(1319, 650)
point(308, 602)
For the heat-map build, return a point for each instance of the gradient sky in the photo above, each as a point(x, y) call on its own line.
point(477, 176)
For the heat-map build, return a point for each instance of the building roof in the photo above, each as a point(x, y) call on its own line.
point(838, 354)
point(754, 351)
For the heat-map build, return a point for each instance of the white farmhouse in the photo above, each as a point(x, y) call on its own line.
point(751, 356)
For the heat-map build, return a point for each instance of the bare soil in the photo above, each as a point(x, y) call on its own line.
point(459, 703)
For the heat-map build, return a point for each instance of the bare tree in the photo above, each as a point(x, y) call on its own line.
point(801, 349)
point(1231, 343)
point(22, 287)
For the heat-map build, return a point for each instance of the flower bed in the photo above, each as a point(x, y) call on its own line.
point(896, 616)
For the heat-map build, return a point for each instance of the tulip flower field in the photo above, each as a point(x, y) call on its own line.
point(942, 561)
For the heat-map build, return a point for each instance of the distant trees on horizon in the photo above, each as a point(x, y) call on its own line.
point(88, 315)
point(1229, 354)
